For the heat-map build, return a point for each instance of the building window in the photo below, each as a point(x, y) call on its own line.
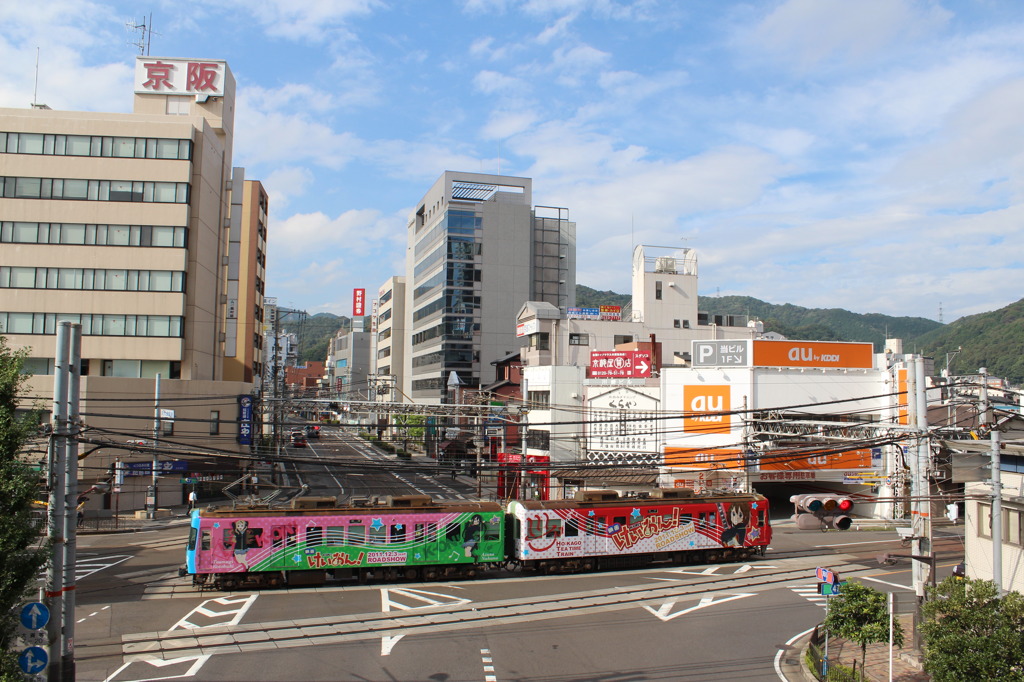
point(95, 190)
point(538, 440)
point(92, 325)
point(579, 339)
point(48, 144)
point(539, 341)
point(677, 324)
point(91, 280)
point(623, 338)
point(539, 400)
point(985, 521)
point(214, 422)
point(657, 291)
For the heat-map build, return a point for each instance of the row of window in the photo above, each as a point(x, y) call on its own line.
point(95, 145)
point(133, 369)
point(92, 325)
point(95, 190)
point(92, 235)
point(1013, 524)
point(350, 534)
point(452, 329)
point(89, 279)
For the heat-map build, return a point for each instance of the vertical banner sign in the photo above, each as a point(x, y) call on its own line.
point(358, 302)
point(245, 420)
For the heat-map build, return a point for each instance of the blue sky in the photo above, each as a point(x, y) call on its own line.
point(866, 154)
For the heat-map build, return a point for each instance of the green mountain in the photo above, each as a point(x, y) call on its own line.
point(993, 340)
point(314, 332)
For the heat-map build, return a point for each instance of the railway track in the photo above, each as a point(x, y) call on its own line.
point(266, 635)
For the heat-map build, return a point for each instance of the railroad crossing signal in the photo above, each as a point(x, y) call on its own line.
point(822, 511)
point(826, 575)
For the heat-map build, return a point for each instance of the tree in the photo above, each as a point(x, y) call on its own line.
point(22, 554)
point(860, 614)
point(970, 633)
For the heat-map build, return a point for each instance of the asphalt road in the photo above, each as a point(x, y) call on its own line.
point(137, 620)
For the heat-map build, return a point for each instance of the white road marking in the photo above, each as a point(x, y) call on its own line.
point(664, 612)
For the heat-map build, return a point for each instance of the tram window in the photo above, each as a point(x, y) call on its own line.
point(712, 517)
point(571, 529)
point(336, 535)
point(491, 530)
point(452, 531)
point(418, 533)
point(378, 535)
point(205, 542)
point(685, 518)
point(703, 519)
point(398, 533)
point(357, 534)
point(553, 528)
point(192, 535)
point(588, 525)
point(517, 528)
point(431, 532)
point(314, 536)
point(228, 538)
point(620, 520)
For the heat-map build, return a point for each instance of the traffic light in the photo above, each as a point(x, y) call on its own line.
point(822, 511)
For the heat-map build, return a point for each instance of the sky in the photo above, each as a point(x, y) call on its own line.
point(865, 155)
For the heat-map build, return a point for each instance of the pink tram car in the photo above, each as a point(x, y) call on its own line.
point(600, 530)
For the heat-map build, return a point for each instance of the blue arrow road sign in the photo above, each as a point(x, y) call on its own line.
point(35, 615)
point(33, 659)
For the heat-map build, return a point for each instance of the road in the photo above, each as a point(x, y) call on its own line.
point(137, 620)
point(340, 464)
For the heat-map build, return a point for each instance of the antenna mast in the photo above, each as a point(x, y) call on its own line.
point(146, 34)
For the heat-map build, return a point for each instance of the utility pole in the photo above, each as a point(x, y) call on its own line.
point(62, 510)
point(987, 419)
point(921, 522)
point(152, 494)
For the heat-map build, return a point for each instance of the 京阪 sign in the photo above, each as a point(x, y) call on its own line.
point(200, 77)
point(620, 364)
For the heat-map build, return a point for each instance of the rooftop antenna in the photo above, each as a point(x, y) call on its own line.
point(146, 34)
point(35, 88)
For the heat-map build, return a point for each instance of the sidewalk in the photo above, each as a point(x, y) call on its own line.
point(127, 523)
point(905, 660)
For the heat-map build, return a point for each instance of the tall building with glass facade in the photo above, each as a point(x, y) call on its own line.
point(477, 250)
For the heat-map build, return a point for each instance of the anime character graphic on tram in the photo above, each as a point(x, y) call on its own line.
point(471, 534)
point(243, 539)
point(734, 522)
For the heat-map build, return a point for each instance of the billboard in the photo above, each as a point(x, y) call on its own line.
point(706, 409)
point(621, 364)
point(159, 76)
point(813, 354)
point(604, 312)
point(358, 302)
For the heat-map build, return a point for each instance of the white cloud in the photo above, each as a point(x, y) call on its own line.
point(315, 20)
point(505, 124)
point(806, 33)
point(491, 82)
point(284, 183)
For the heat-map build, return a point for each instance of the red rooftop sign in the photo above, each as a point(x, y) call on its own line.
point(620, 364)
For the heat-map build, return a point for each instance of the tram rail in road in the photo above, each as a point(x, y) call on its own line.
point(438, 618)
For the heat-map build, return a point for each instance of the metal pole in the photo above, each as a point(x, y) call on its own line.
point(55, 512)
point(151, 511)
point(921, 507)
point(71, 505)
point(892, 607)
point(997, 485)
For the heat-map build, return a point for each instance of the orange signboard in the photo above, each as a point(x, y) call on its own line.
point(813, 354)
point(706, 409)
point(784, 461)
point(903, 399)
point(704, 458)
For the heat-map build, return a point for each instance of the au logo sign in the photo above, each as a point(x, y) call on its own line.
point(707, 409)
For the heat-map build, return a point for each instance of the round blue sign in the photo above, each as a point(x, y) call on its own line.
point(33, 660)
point(35, 615)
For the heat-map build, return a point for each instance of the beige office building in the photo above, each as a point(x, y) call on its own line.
point(123, 223)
